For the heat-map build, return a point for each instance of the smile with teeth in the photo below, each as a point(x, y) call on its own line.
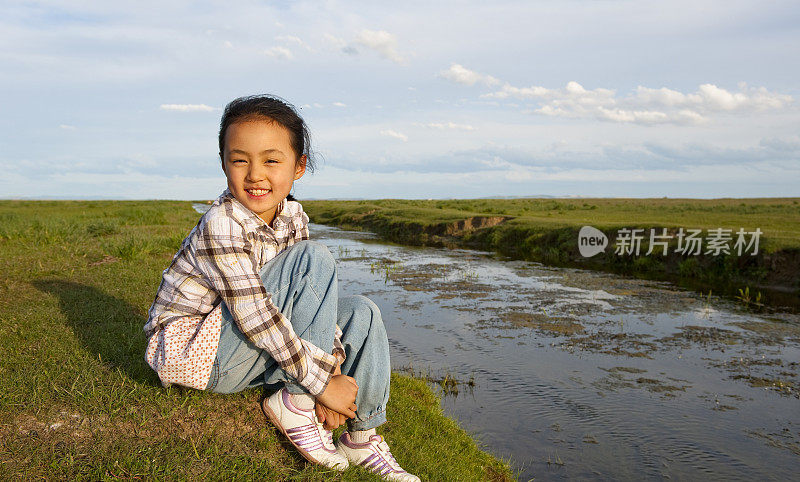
point(257, 192)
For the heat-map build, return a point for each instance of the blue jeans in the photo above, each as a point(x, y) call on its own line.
point(303, 283)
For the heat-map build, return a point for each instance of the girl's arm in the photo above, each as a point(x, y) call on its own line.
point(225, 256)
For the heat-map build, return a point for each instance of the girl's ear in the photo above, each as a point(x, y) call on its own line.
point(300, 167)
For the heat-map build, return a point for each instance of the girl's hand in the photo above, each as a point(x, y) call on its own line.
point(330, 419)
point(340, 395)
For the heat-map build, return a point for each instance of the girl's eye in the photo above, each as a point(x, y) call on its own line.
point(236, 161)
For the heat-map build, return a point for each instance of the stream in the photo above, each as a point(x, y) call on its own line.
point(580, 374)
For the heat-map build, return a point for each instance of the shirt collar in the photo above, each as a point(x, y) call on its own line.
point(282, 214)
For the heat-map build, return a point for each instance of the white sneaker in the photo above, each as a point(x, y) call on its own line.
point(303, 430)
point(374, 455)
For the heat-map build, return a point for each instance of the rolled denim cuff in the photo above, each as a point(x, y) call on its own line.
point(374, 420)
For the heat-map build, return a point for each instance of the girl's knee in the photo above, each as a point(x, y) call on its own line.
point(314, 254)
point(314, 249)
point(366, 304)
point(364, 316)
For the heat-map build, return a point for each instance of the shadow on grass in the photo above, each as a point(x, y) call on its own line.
point(106, 326)
point(111, 328)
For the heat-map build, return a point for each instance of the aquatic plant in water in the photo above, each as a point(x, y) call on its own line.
point(745, 298)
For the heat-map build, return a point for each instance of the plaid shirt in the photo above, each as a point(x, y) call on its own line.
point(220, 260)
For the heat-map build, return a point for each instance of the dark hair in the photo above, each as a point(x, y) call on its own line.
point(271, 107)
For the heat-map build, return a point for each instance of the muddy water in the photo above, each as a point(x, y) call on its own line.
point(575, 374)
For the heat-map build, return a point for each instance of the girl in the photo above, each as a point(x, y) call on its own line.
point(249, 300)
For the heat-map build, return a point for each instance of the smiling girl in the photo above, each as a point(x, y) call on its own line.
point(248, 300)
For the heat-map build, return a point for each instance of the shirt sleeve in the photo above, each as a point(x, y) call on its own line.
point(301, 225)
point(225, 256)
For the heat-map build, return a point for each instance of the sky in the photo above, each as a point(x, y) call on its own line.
point(462, 99)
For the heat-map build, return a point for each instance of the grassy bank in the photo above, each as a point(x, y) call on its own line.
point(78, 401)
point(546, 230)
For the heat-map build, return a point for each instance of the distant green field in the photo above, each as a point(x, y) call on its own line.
point(78, 401)
point(778, 218)
point(546, 230)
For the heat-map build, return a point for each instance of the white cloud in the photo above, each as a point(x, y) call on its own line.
point(279, 53)
point(395, 134)
point(380, 41)
point(446, 125)
point(710, 98)
point(462, 75)
point(294, 40)
point(572, 91)
point(645, 106)
point(339, 104)
point(634, 116)
point(290, 39)
point(334, 42)
point(188, 107)
point(67, 127)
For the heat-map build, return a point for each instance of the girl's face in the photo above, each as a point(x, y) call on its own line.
point(260, 165)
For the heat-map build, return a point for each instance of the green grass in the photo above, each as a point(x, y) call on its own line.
point(546, 230)
point(78, 401)
point(778, 218)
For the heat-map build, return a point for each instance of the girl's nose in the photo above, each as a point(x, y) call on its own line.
point(256, 173)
